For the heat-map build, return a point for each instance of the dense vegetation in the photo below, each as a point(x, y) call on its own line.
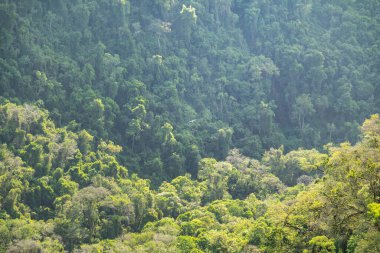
point(110, 108)
point(174, 80)
point(64, 190)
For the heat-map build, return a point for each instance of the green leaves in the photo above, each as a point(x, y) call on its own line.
point(322, 244)
point(160, 84)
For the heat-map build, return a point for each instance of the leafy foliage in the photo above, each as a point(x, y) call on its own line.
point(64, 190)
point(189, 126)
point(247, 74)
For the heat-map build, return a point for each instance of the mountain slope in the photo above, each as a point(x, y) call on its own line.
point(171, 81)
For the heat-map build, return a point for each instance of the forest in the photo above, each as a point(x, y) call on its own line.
point(190, 126)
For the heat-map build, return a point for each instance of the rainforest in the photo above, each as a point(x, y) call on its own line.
point(190, 126)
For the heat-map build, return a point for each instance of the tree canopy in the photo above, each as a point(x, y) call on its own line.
point(189, 126)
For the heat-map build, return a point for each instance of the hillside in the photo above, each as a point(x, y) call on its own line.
point(189, 126)
point(215, 74)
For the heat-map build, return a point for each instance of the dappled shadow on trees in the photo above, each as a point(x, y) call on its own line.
point(64, 190)
point(295, 73)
